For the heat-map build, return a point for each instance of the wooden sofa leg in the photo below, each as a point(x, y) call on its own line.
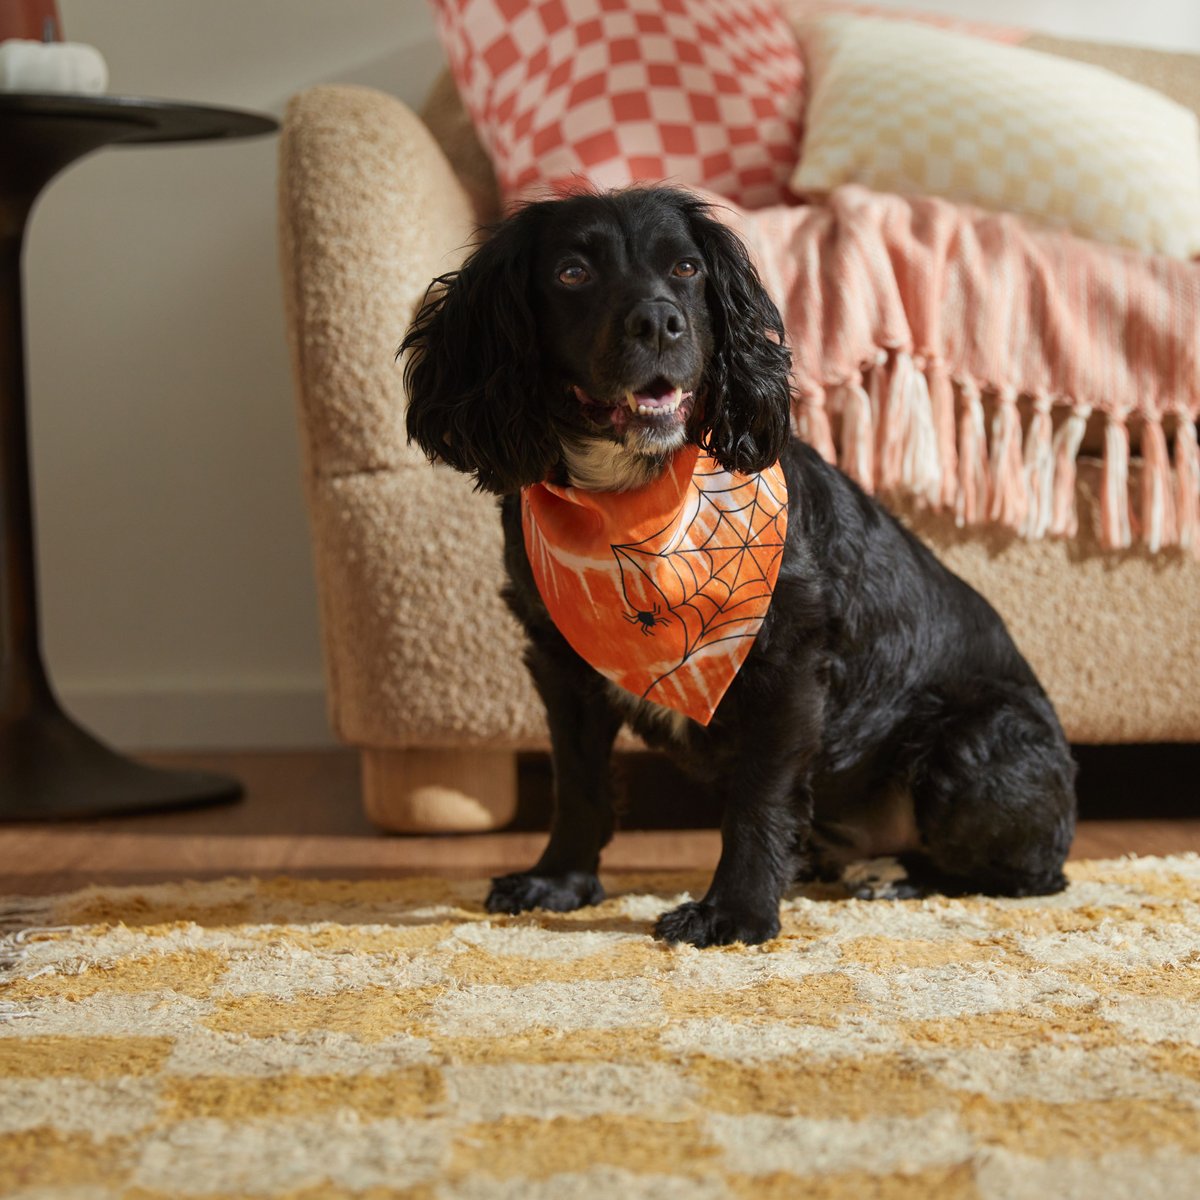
point(439, 791)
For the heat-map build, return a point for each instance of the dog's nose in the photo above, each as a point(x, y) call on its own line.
point(656, 323)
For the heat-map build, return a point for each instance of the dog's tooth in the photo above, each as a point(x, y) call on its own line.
point(631, 400)
point(678, 399)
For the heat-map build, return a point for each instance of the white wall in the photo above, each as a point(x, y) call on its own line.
point(178, 605)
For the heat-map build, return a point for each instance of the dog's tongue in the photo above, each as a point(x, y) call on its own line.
point(658, 392)
point(659, 396)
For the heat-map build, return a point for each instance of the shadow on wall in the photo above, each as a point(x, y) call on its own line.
point(406, 71)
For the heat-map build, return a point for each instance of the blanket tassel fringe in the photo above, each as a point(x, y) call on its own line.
point(1187, 483)
point(907, 424)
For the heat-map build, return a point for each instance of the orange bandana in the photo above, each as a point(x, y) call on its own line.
point(662, 589)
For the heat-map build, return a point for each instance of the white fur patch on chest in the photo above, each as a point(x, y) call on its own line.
point(598, 465)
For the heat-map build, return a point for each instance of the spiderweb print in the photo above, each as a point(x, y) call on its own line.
point(671, 615)
point(713, 569)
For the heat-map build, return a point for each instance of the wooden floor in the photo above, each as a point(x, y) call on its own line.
point(301, 816)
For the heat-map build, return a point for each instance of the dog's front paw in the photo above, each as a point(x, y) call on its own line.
point(703, 924)
point(559, 893)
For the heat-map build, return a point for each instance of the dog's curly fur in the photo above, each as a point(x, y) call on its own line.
point(883, 708)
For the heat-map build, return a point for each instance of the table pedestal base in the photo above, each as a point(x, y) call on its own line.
point(51, 769)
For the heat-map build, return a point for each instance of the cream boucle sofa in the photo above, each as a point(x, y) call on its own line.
point(423, 660)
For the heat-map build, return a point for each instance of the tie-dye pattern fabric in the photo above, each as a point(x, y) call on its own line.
point(662, 589)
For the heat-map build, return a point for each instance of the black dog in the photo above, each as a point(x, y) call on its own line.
point(883, 708)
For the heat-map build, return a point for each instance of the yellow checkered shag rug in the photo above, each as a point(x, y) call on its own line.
point(390, 1039)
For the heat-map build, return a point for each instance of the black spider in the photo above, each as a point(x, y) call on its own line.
point(647, 620)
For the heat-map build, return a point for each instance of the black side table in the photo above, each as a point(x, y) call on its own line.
point(50, 767)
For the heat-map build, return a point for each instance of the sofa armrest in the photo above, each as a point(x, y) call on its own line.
point(369, 212)
point(418, 651)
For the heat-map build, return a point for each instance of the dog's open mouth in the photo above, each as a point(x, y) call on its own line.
point(658, 402)
point(659, 398)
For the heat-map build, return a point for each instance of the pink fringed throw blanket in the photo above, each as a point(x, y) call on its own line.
point(904, 313)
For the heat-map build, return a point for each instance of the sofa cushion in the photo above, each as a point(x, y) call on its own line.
point(704, 93)
point(904, 108)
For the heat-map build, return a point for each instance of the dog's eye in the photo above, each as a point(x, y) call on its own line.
point(573, 275)
point(686, 268)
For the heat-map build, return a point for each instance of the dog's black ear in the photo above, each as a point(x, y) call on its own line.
point(474, 374)
point(747, 396)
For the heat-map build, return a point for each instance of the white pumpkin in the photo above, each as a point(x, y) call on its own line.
point(27, 66)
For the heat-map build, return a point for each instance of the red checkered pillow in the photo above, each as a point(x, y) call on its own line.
point(705, 93)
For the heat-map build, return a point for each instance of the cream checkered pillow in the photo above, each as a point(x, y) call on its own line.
point(903, 108)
